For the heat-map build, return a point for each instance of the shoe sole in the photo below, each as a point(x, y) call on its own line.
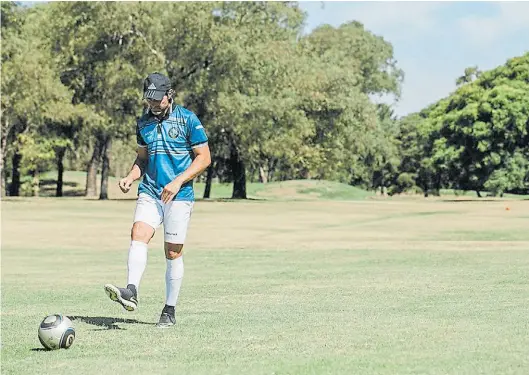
point(114, 294)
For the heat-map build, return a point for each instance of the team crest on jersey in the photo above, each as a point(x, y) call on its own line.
point(173, 132)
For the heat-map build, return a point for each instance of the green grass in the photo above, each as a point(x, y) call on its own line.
point(294, 190)
point(492, 235)
point(74, 185)
point(332, 190)
point(472, 194)
point(279, 287)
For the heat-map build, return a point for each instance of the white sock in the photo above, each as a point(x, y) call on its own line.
point(173, 279)
point(136, 262)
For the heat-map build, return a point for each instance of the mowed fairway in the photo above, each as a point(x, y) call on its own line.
point(317, 287)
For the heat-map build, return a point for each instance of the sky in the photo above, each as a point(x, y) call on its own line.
point(434, 42)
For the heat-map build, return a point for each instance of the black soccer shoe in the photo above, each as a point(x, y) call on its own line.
point(166, 320)
point(124, 296)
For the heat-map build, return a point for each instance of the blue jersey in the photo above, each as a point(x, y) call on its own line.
point(169, 143)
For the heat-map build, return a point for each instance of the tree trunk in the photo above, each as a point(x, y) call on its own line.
point(438, 185)
point(60, 171)
point(91, 173)
point(239, 174)
point(3, 183)
point(35, 183)
point(209, 179)
point(271, 168)
point(426, 191)
point(105, 169)
point(14, 188)
point(263, 176)
point(3, 177)
point(4, 135)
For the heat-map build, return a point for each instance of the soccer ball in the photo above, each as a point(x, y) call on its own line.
point(56, 332)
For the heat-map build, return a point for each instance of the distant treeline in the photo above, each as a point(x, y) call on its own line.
point(277, 104)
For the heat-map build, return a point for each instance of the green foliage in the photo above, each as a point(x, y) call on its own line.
point(103, 60)
point(366, 57)
point(37, 151)
point(477, 138)
point(484, 125)
point(513, 176)
point(285, 104)
point(277, 104)
point(471, 73)
point(37, 110)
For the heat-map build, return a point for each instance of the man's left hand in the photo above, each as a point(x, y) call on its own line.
point(170, 190)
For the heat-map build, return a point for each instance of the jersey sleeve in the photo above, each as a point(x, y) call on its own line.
point(197, 135)
point(139, 139)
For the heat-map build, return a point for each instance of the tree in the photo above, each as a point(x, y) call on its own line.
point(476, 138)
point(33, 97)
point(227, 82)
point(104, 59)
point(348, 65)
point(385, 158)
point(276, 104)
point(471, 73)
point(485, 125)
point(367, 58)
point(11, 23)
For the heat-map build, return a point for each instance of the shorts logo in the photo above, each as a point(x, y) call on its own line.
point(173, 132)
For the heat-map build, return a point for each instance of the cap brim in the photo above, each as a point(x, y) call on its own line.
point(153, 94)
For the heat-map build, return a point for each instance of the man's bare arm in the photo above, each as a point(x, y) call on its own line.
point(137, 170)
point(201, 162)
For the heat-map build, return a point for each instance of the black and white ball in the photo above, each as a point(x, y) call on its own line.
point(56, 332)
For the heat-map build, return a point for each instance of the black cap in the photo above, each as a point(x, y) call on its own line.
point(156, 86)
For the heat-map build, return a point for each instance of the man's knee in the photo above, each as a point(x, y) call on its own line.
point(173, 250)
point(141, 232)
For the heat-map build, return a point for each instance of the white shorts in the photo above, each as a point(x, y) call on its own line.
point(174, 215)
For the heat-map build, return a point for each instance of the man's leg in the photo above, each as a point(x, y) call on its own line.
point(176, 221)
point(147, 217)
point(173, 282)
point(141, 235)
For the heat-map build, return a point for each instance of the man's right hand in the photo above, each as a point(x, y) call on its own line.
point(125, 184)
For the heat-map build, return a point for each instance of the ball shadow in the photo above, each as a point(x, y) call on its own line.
point(106, 323)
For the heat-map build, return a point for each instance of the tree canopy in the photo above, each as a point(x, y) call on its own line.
point(277, 103)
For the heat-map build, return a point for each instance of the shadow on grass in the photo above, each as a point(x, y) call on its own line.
point(197, 199)
point(106, 322)
point(68, 193)
point(39, 350)
point(53, 183)
point(230, 199)
point(48, 188)
point(475, 200)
